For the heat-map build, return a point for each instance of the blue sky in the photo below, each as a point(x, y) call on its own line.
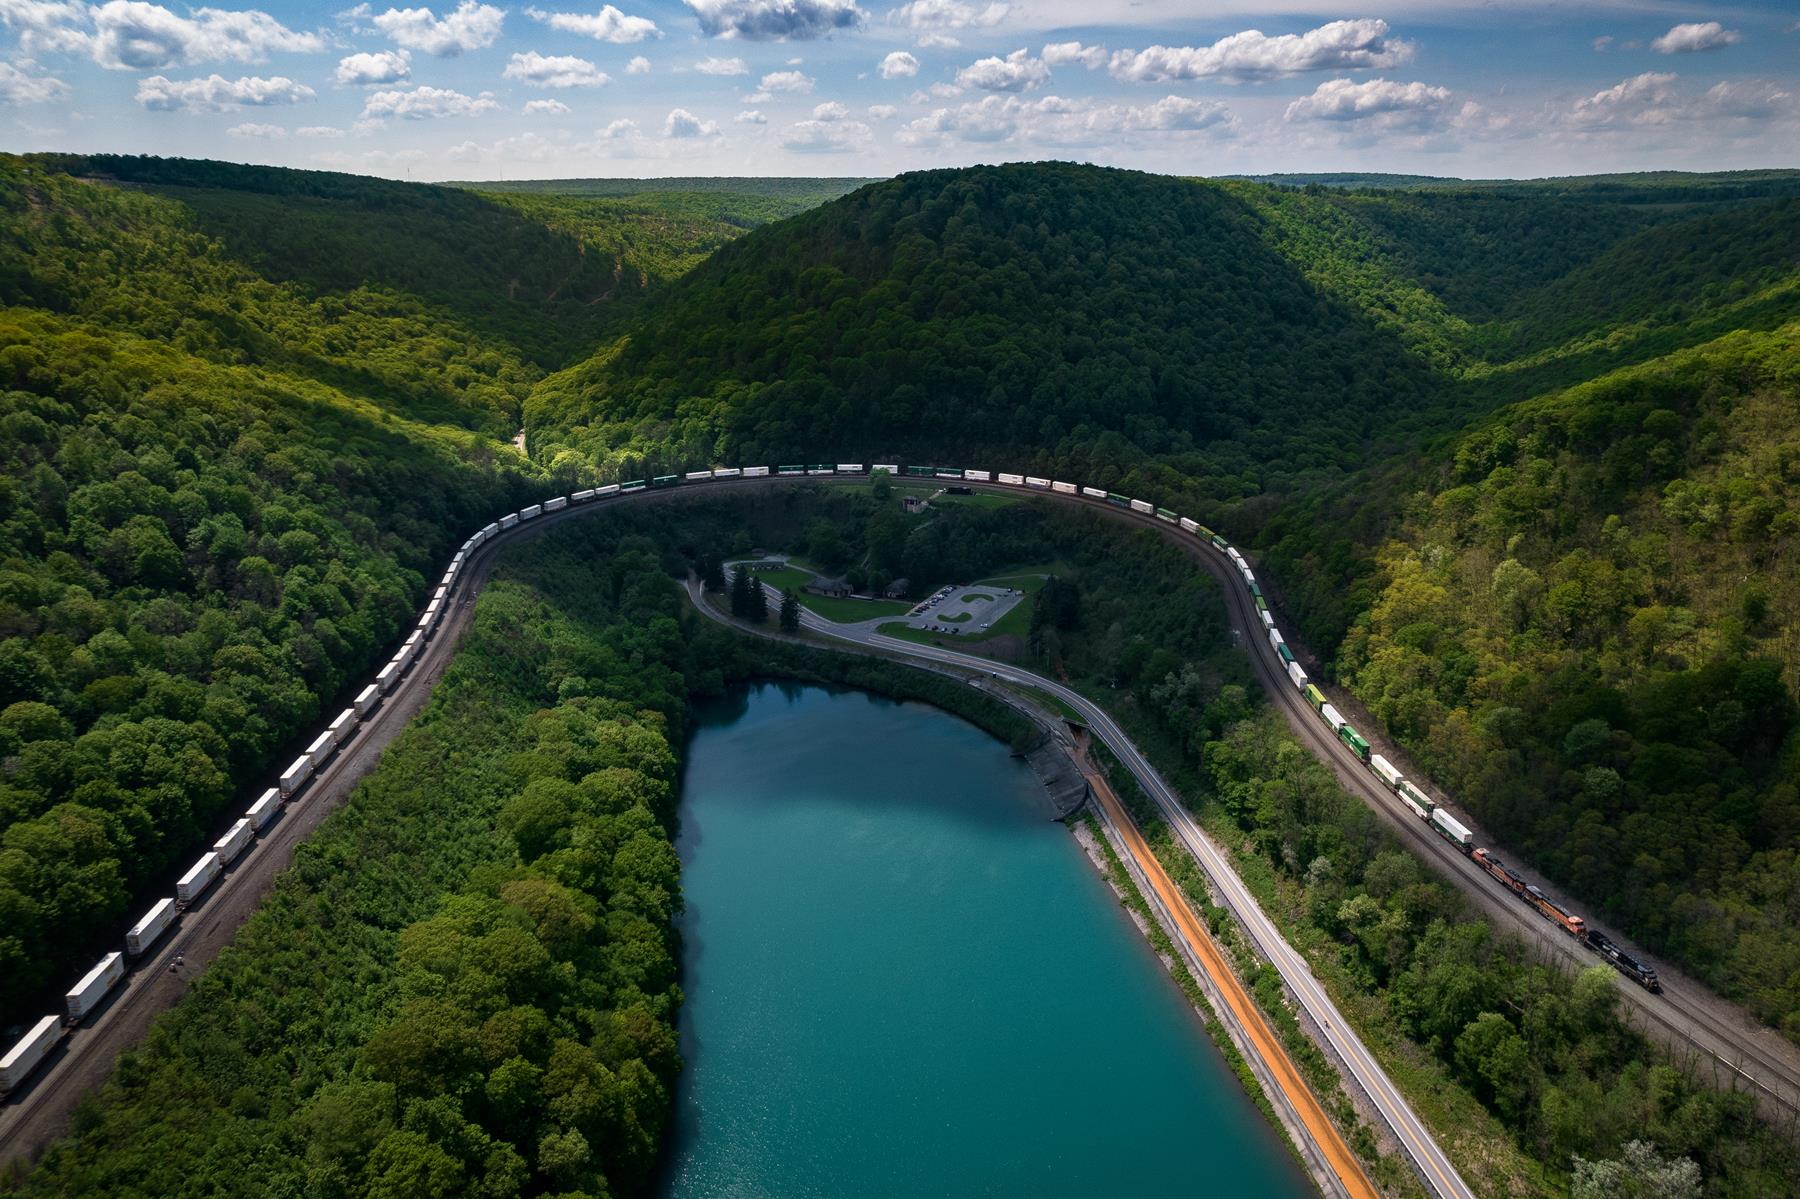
point(488, 90)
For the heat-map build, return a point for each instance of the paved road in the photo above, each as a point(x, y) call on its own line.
point(1427, 1157)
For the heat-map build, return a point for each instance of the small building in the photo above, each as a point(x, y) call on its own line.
point(898, 589)
point(913, 504)
point(839, 587)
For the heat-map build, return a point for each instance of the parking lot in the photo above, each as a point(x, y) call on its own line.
point(965, 611)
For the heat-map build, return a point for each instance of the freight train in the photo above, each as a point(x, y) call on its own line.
point(292, 784)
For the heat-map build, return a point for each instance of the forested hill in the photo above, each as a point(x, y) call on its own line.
point(1252, 338)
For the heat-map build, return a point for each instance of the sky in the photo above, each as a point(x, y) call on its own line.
point(485, 89)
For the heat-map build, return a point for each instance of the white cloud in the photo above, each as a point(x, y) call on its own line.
point(1338, 46)
point(554, 70)
point(217, 94)
point(425, 103)
point(831, 110)
point(607, 25)
point(1062, 54)
point(549, 108)
point(826, 136)
point(1602, 43)
point(1056, 121)
point(682, 123)
point(1386, 103)
point(722, 66)
point(1016, 72)
point(1697, 35)
point(948, 14)
point(751, 116)
point(775, 20)
point(19, 86)
point(271, 133)
point(899, 65)
point(48, 25)
point(623, 127)
point(882, 112)
point(384, 66)
point(639, 65)
point(132, 35)
point(937, 41)
point(1656, 99)
point(319, 132)
point(473, 26)
point(1642, 99)
point(785, 81)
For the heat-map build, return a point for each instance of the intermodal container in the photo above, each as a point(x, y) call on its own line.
point(582, 497)
point(756, 472)
point(1451, 830)
point(320, 749)
point(1012, 480)
point(1034, 481)
point(1190, 525)
point(149, 930)
point(949, 472)
point(531, 513)
point(1122, 500)
point(1220, 543)
point(1332, 717)
point(1065, 488)
point(979, 476)
point(509, 520)
point(1143, 507)
point(726, 472)
point(1274, 635)
point(491, 530)
point(892, 468)
point(1268, 617)
point(1355, 741)
point(1390, 773)
point(557, 504)
point(694, 476)
point(264, 809)
point(387, 676)
point(1166, 514)
point(1286, 654)
point(344, 727)
point(632, 485)
point(665, 480)
point(30, 1049)
point(606, 492)
point(1297, 674)
point(295, 776)
point(367, 698)
point(1315, 697)
point(94, 986)
point(1093, 493)
point(1415, 798)
point(1248, 577)
point(916, 471)
point(199, 877)
point(234, 842)
point(849, 468)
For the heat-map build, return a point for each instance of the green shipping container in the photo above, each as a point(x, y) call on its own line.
point(1354, 740)
point(634, 485)
point(1287, 655)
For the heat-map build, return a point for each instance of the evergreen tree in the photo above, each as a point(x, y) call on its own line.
point(790, 611)
point(712, 573)
point(741, 590)
point(759, 602)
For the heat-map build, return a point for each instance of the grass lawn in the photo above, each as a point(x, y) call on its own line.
point(959, 618)
point(786, 577)
point(849, 611)
point(981, 499)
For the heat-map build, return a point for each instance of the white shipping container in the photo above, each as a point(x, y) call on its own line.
point(428, 617)
point(694, 476)
point(979, 476)
point(295, 775)
point(147, 931)
point(557, 504)
point(93, 987)
point(609, 489)
point(344, 727)
point(492, 530)
point(582, 497)
point(234, 842)
point(1144, 506)
point(850, 468)
point(367, 698)
point(1390, 774)
point(726, 472)
point(199, 877)
point(1452, 829)
point(438, 596)
point(1416, 799)
point(531, 513)
point(1237, 558)
point(756, 472)
point(1275, 641)
point(1034, 481)
point(31, 1049)
point(1332, 717)
point(1248, 577)
point(1012, 480)
point(320, 749)
point(264, 809)
point(1268, 618)
point(1065, 488)
point(1191, 525)
point(892, 468)
point(1093, 493)
point(388, 676)
point(1422, 811)
point(509, 520)
point(1297, 674)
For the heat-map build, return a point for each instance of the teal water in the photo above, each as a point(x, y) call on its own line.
point(904, 981)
